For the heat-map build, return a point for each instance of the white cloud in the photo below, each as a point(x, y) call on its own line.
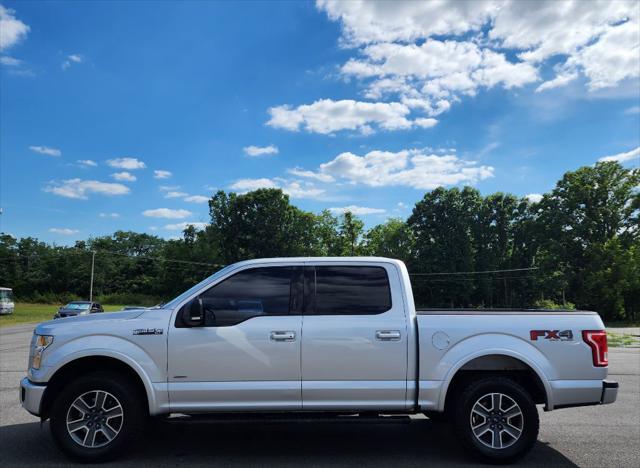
point(196, 199)
point(160, 174)
point(167, 213)
point(632, 110)
point(294, 189)
point(109, 215)
point(12, 30)
point(357, 210)
point(260, 150)
point(10, 61)
point(183, 226)
point(429, 51)
point(623, 157)
point(412, 168)
point(296, 171)
point(46, 150)
point(124, 176)
point(80, 189)
point(175, 194)
point(87, 162)
point(534, 197)
point(126, 163)
point(327, 116)
point(71, 59)
point(167, 188)
point(64, 231)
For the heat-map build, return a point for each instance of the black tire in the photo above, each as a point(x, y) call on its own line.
point(118, 390)
point(496, 430)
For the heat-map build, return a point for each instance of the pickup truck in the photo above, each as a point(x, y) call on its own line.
point(313, 336)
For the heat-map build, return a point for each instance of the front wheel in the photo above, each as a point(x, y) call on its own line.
point(96, 416)
point(496, 419)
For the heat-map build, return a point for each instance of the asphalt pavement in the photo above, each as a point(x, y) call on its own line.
point(600, 436)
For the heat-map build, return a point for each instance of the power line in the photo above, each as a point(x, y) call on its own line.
point(475, 272)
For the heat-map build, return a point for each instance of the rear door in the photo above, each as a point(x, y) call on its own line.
point(354, 341)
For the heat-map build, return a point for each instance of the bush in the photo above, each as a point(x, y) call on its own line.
point(549, 304)
point(49, 298)
point(128, 299)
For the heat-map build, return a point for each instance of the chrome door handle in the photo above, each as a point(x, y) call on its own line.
point(388, 335)
point(283, 335)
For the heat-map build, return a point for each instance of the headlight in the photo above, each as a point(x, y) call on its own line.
point(40, 343)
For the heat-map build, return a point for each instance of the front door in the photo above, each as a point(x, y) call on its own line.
point(354, 344)
point(247, 356)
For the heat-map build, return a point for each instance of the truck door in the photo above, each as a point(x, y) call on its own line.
point(354, 338)
point(247, 356)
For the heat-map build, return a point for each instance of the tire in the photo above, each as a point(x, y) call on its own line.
point(490, 426)
point(85, 434)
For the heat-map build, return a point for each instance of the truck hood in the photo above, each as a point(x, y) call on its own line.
point(50, 327)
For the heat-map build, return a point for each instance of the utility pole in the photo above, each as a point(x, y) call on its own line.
point(93, 262)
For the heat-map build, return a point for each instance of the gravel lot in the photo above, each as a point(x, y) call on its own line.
point(588, 436)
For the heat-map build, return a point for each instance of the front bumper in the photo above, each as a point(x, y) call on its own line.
point(31, 396)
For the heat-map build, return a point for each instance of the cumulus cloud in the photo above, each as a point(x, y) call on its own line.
point(175, 194)
point(124, 176)
point(623, 157)
point(260, 150)
point(357, 210)
point(327, 116)
point(81, 189)
point(64, 231)
point(109, 215)
point(412, 168)
point(87, 162)
point(126, 163)
point(296, 171)
point(46, 150)
point(196, 199)
point(167, 213)
point(70, 60)
point(10, 61)
point(534, 197)
point(12, 30)
point(293, 188)
point(185, 225)
point(428, 55)
point(160, 174)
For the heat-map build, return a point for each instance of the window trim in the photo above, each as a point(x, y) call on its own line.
point(311, 281)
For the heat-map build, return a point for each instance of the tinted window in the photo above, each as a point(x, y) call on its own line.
point(247, 294)
point(351, 290)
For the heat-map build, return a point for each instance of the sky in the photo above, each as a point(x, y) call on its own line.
point(130, 115)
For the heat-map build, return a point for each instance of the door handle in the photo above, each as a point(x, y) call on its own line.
point(283, 336)
point(388, 335)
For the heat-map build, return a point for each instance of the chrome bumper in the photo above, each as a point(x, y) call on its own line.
point(609, 392)
point(31, 396)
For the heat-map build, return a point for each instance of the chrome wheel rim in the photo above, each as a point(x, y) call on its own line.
point(94, 419)
point(496, 421)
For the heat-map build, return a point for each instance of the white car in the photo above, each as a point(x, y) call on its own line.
point(308, 336)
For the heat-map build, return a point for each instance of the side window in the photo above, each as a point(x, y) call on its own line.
point(351, 290)
point(249, 293)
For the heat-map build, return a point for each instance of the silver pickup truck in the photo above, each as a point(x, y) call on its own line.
point(333, 336)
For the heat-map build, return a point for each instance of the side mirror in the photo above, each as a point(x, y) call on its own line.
point(193, 313)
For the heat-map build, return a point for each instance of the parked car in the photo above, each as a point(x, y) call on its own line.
point(6, 301)
point(74, 308)
point(313, 335)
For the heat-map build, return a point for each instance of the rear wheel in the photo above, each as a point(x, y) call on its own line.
point(496, 419)
point(96, 416)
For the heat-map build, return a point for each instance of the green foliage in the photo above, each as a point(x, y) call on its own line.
point(549, 304)
point(582, 238)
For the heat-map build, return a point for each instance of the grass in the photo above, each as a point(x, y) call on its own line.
point(34, 313)
point(618, 340)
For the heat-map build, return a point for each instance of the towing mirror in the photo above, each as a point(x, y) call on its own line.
point(193, 313)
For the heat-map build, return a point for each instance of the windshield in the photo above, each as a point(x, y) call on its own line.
point(174, 302)
point(6, 295)
point(77, 306)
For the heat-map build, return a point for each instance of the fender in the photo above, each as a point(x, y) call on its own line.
point(491, 344)
point(152, 377)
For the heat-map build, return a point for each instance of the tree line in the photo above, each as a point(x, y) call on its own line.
point(579, 246)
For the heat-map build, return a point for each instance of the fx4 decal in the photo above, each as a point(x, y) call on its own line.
point(148, 331)
point(552, 335)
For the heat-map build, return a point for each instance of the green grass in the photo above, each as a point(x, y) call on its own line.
point(34, 313)
point(618, 340)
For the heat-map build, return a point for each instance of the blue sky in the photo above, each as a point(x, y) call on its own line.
point(361, 105)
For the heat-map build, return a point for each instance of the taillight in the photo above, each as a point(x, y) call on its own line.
point(597, 341)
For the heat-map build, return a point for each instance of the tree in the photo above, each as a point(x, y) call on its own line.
point(392, 239)
point(350, 232)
